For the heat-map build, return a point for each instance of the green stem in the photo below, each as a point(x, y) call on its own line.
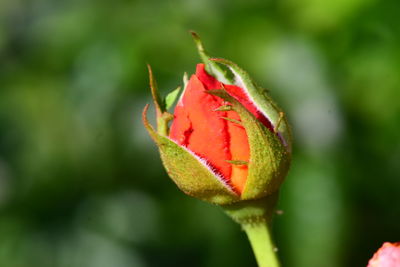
point(255, 216)
point(261, 242)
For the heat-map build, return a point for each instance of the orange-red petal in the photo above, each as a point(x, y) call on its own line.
point(205, 134)
point(203, 130)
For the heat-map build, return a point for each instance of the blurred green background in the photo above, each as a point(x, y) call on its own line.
point(81, 184)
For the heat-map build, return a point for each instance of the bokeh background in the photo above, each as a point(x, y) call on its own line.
point(81, 184)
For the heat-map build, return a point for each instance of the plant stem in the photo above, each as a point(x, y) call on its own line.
point(261, 242)
point(255, 217)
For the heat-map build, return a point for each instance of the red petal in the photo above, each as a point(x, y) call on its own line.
point(239, 148)
point(206, 79)
point(201, 129)
point(206, 133)
point(235, 91)
point(239, 94)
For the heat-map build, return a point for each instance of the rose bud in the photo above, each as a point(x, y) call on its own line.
point(227, 140)
point(387, 256)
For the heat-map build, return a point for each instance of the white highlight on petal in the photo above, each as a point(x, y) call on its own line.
point(185, 85)
point(239, 82)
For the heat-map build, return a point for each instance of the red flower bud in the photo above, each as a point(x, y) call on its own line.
point(228, 141)
point(215, 135)
point(387, 256)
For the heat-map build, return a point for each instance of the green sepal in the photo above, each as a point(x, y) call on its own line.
point(158, 102)
point(224, 108)
point(261, 99)
point(211, 67)
point(171, 98)
point(232, 120)
point(188, 173)
point(237, 162)
point(163, 116)
point(269, 160)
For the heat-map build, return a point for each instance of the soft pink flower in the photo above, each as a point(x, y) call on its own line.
point(387, 256)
